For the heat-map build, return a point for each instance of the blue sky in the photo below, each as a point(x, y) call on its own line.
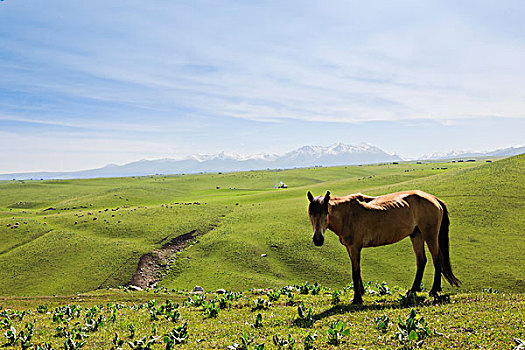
point(87, 83)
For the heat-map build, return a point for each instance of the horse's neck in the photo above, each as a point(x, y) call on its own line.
point(336, 219)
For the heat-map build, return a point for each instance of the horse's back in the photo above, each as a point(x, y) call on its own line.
point(424, 208)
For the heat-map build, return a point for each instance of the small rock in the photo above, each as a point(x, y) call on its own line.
point(220, 291)
point(198, 290)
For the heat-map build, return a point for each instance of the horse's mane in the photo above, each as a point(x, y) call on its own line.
point(371, 203)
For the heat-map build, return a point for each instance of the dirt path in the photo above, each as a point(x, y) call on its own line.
point(152, 266)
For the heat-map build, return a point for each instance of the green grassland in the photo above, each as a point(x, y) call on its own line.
point(97, 229)
point(100, 319)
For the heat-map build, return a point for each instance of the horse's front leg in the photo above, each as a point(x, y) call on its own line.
point(355, 258)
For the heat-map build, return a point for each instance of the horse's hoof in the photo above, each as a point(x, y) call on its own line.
point(357, 301)
point(433, 294)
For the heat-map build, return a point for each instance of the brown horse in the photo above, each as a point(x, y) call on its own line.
point(362, 221)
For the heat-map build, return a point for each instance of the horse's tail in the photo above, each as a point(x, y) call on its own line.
point(444, 250)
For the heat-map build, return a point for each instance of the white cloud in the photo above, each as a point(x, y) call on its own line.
point(181, 67)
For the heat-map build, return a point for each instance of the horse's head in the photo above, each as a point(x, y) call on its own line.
point(318, 212)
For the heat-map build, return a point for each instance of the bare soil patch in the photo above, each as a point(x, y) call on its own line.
point(152, 266)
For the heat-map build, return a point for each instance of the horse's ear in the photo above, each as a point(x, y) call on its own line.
point(310, 196)
point(326, 198)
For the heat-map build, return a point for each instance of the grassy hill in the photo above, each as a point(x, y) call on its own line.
point(94, 231)
point(486, 206)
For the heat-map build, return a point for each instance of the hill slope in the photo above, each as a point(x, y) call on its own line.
point(79, 235)
point(486, 206)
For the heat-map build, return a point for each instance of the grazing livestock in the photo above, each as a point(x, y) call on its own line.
point(363, 221)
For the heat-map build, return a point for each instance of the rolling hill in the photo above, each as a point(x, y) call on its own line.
point(79, 235)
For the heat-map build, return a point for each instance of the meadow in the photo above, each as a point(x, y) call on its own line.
point(75, 242)
point(80, 235)
point(306, 316)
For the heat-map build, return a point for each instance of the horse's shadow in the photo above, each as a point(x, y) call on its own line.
point(383, 305)
point(346, 308)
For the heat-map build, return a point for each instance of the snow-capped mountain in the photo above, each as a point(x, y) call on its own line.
point(506, 152)
point(336, 154)
point(306, 156)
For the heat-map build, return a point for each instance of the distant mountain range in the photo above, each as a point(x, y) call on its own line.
point(307, 156)
point(337, 154)
point(506, 152)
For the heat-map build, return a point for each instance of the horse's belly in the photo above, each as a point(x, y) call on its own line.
point(387, 234)
point(383, 239)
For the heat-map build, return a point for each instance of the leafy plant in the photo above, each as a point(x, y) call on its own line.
point(145, 343)
point(274, 295)
point(168, 306)
point(25, 336)
point(315, 289)
point(61, 330)
point(92, 312)
point(60, 317)
point(291, 298)
point(41, 309)
point(283, 343)
point(117, 342)
point(336, 297)
point(307, 288)
point(19, 315)
point(93, 325)
point(308, 342)
point(408, 299)
point(246, 344)
point(76, 333)
point(196, 301)
point(232, 296)
point(223, 303)
point(131, 329)
point(70, 311)
point(289, 291)
point(304, 318)
point(71, 344)
point(178, 335)
point(336, 331)
point(209, 309)
point(382, 323)
point(6, 322)
point(11, 336)
point(258, 321)
point(261, 304)
point(414, 328)
point(304, 288)
point(44, 346)
point(113, 315)
point(173, 315)
point(382, 289)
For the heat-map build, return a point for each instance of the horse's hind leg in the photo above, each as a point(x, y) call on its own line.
point(421, 260)
point(433, 247)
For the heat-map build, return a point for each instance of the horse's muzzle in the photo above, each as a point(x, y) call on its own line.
point(318, 240)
